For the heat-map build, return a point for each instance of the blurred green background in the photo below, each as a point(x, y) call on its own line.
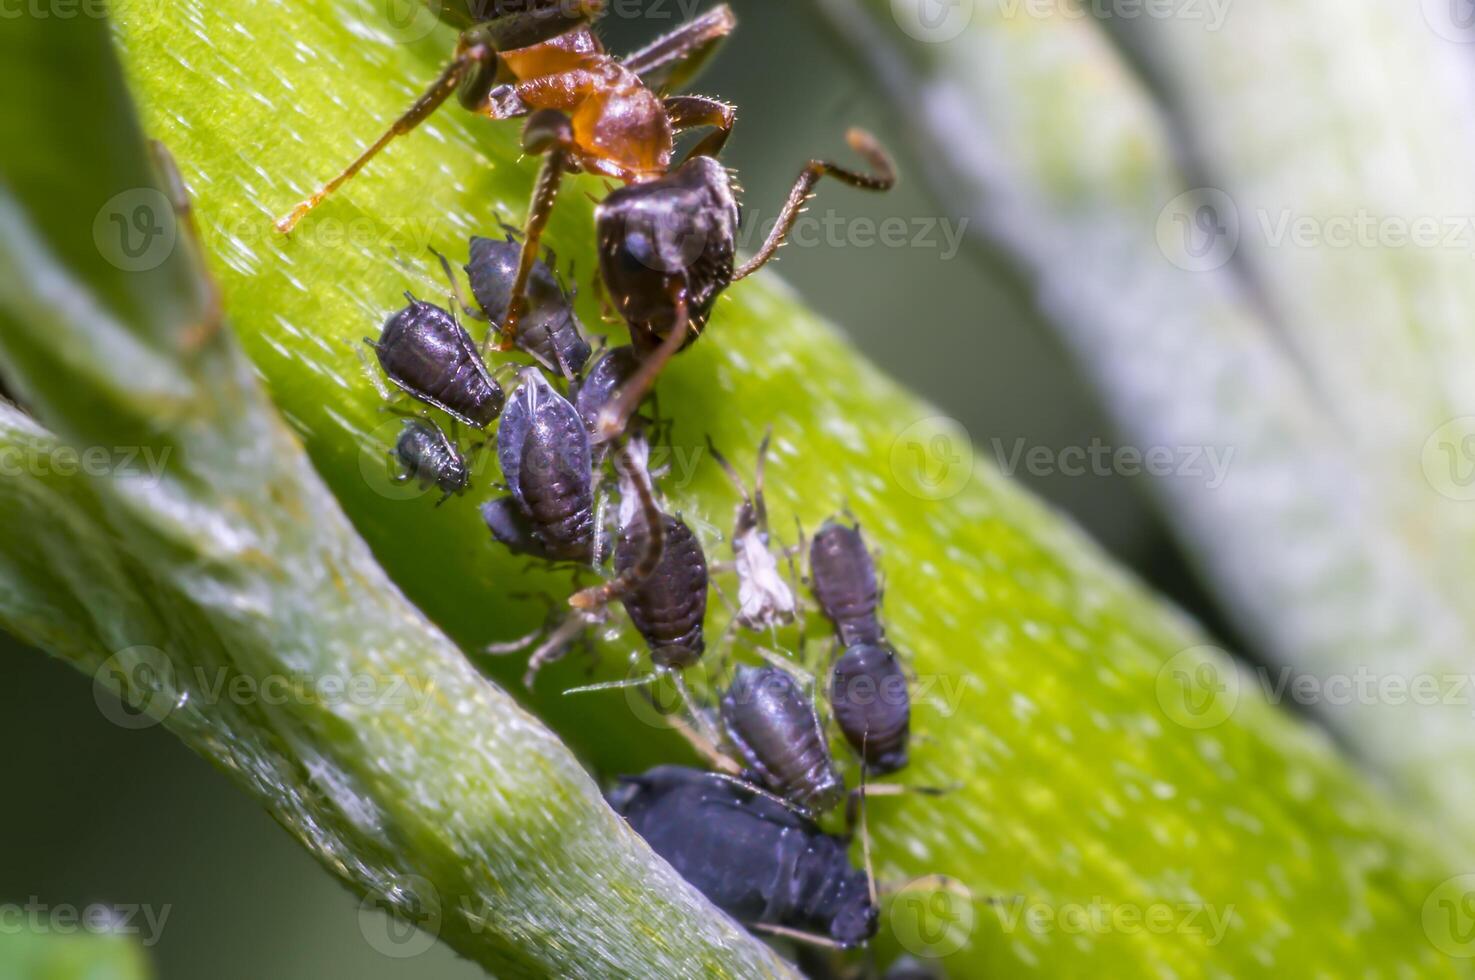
point(100, 814)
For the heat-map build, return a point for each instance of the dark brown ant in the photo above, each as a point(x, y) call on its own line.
point(429, 457)
point(425, 352)
point(667, 240)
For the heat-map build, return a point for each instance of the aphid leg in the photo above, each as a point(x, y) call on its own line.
point(785, 663)
point(456, 294)
point(674, 58)
point(691, 111)
point(598, 596)
point(475, 65)
point(693, 709)
point(550, 134)
point(615, 415)
point(798, 935)
point(883, 178)
point(373, 375)
point(556, 645)
point(706, 748)
point(865, 829)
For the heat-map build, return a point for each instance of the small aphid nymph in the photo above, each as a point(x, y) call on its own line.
point(845, 583)
point(428, 456)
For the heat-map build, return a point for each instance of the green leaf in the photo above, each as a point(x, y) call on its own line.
point(1133, 807)
point(74, 955)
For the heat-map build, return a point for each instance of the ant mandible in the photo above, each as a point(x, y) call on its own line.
point(667, 239)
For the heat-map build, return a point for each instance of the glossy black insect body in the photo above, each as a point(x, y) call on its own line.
point(428, 456)
point(758, 861)
point(845, 583)
point(424, 351)
point(550, 329)
point(599, 387)
point(869, 698)
point(775, 729)
point(548, 468)
point(669, 605)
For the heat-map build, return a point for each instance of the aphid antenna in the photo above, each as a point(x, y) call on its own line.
point(705, 745)
point(798, 935)
point(458, 298)
point(865, 829)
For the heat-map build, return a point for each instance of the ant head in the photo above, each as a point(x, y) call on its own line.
point(678, 233)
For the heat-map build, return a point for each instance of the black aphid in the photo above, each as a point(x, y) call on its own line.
point(871, 705)
point(844, 576)
point(758, 861)
point(599, 387)
point(424, 351)
point(550, 329)
point(548, 468)
point(669, 604)
point(428, 456)
point(774, 727)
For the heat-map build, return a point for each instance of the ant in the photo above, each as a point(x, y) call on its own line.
point(667, 239)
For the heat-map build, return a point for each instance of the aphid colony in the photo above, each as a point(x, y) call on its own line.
point(570, 436)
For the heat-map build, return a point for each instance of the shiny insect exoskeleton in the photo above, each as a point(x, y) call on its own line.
point(775, 729)
point(871, 705)
point(606, 376)
point(428, 456)
point(667, 241)
point(765, 600)
point(426, 353)
point(548, 468)
point(844, 580)
point(669, 604)
point(760, 862)
point(550, 332)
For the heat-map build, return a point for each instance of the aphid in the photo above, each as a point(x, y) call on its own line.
point(667, 241)
point(765, 600)
point(428, 456)
point(845, 583)
point(550, 332)
point(548, 467)
point(669, 604)
point(775, 729)
point(600, 386)
point(871, 705)
point(760, 862)
point(424, 351)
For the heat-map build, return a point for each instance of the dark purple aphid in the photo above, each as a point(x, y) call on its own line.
point(773, 725)
point(844, 577)
point(428, 456)
point(599, 387)
point(755, 859)
point(669, 605)
point(871, 705)
point(548, 468)
point(550, 329)
point(424, 351)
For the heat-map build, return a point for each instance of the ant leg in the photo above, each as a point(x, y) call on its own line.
point(655, 538)
point(883, 178)
point(615, 415)
point(673, 59)
point(691, 111)
point(550, 133)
